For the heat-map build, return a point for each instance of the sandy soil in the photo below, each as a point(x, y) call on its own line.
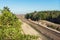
point(28, 30)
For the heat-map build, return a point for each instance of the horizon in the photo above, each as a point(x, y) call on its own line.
point(26, 6)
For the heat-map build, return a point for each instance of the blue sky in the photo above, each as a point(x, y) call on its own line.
point(25, 6)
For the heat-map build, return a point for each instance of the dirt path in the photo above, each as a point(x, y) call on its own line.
point(28, 30)
point(42, 37)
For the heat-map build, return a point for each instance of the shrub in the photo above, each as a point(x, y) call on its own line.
point(10, 27)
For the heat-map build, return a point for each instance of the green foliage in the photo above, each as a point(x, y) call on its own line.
point(13, 34)
point(53, 16)
point(10, 27)
point(43, 15)
point(27, 16)
point(10, 34)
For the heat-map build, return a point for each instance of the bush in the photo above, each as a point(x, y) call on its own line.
point(10, 27)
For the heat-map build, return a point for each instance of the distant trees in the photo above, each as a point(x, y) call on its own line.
point(53, 16)
point(43, 15)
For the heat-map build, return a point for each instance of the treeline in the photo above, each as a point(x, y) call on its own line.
point(53, 16)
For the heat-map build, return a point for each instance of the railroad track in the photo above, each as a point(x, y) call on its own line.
point(46, 32)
